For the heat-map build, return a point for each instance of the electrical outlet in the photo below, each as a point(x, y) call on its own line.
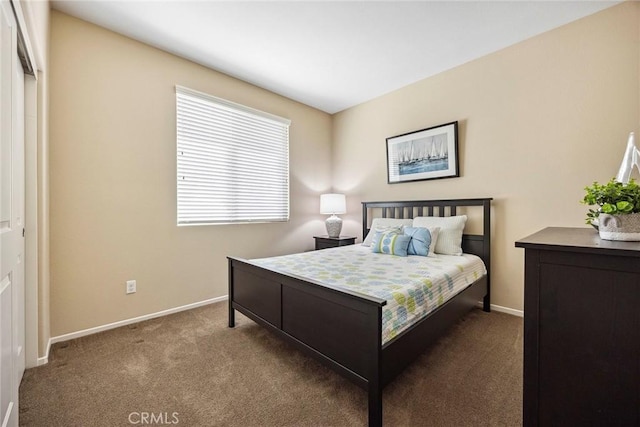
point(131, 286)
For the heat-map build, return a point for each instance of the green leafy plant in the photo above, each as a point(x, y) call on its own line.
point(614, 198)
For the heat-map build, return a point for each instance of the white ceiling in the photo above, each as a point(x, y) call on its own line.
point(327, 54)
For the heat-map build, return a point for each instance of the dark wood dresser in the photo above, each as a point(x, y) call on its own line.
point(581, 329)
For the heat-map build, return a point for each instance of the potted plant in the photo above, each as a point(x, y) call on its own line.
point(618, 214)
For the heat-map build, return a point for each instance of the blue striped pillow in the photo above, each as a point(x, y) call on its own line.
point(390, 243)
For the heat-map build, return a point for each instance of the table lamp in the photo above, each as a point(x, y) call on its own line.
point(332, 204)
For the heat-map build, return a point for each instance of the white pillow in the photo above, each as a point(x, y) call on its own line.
point(450, 237)
point(385, 224)
point(435, 233)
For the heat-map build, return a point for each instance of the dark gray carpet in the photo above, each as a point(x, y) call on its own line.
point(189, 369)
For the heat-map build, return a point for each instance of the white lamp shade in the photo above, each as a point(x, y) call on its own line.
point(333, 204)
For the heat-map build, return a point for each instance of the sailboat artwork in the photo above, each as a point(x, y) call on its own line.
point(426, 154)
point(423, 155)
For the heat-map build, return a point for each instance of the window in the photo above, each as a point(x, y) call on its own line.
point(232, 162)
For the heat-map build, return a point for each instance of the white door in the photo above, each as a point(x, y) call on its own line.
point(12, 358)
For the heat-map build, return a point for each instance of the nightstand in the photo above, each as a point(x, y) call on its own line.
point(324, 242)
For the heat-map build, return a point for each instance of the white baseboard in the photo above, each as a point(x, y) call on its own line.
point(44, 360)
point(511, 311)
point(95, 330)
point(501, 309)
point(7, 415)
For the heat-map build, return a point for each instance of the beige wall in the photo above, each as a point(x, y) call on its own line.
point(112, 163)
point(538, 122)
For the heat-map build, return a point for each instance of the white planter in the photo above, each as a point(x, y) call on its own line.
point(619, 227)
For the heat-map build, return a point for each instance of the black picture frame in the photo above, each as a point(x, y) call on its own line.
point(425, 154)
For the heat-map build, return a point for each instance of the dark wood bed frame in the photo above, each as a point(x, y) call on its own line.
point(343, 329)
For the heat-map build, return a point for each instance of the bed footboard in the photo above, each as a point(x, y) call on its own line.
point(341, 330)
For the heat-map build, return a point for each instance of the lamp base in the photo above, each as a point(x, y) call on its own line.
point(334, 226)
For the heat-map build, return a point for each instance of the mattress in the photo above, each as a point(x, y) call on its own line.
point(413, 286)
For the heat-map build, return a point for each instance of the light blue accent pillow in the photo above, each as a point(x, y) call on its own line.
point(390, 243)
point(420, 241)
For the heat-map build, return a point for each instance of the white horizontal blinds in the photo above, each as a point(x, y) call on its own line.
point(232, 162)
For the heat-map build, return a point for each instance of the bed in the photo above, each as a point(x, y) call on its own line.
point(343, 328)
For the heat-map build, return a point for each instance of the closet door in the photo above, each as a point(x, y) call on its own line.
point(12, 326)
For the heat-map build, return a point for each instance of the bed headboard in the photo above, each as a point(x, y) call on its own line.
point(479, 245)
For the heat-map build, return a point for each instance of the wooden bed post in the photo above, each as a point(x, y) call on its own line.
point(365, 227)
point(232, 312)
point(486, 302)
point(375, 405)
point(375, 377)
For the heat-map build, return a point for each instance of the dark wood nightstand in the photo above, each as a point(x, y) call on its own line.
point(324, 242)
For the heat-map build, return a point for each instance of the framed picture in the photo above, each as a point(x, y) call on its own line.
point(430, 153)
